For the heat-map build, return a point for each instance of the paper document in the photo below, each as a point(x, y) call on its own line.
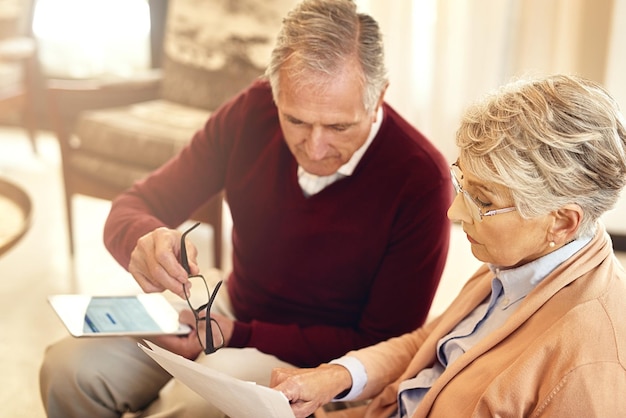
point(234, 397)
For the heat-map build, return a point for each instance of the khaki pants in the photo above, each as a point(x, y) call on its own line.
point(106, 377)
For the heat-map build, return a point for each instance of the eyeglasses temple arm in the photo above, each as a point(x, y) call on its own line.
point(210, 344)
point(183, 249)
point(212, 298)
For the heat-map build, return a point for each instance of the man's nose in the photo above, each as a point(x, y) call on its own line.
point(316, 144)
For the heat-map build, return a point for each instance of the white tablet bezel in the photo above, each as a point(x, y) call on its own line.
point(71, 309)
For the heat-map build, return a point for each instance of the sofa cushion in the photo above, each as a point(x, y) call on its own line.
point(213, 48)
point(115, 174)
point(144, 135)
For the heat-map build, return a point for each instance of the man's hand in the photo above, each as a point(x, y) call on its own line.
point(188, 345)
point(183, 345)
point(309, 389)
point(155, 264)
point(226, 325)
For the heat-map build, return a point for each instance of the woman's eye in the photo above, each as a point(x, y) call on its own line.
point(481, 202)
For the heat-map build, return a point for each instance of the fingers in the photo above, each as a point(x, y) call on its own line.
point(292, 383)
point(308, 389)
point(281, 374)
point(218, 333)
point(154, 262)
point(288, 382)
point(227, 326)
point(304, 409)
point(192, 257)
point(183, 345)
point(187, 317)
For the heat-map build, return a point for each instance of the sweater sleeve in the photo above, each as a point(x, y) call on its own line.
point(169, 195)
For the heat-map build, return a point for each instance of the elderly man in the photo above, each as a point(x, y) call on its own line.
point(340, 232)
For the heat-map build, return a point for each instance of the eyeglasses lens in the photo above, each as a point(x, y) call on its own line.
point(471, 206)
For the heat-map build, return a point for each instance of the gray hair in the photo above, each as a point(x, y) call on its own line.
point(551, 141)
point(318, 37)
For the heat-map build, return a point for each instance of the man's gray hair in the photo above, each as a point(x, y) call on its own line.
point(551, 141)
point(319, 37)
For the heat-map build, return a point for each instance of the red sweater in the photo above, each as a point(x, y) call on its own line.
point(315, 277)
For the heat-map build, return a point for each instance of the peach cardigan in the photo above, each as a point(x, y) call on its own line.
point(561, 354)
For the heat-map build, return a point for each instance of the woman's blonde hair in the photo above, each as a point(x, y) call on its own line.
point(551, 141)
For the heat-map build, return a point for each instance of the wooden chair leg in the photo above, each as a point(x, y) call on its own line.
point(31, 91)
point(29, 123)
point(69, 219)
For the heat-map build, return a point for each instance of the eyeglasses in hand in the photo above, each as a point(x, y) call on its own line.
point(209, 345)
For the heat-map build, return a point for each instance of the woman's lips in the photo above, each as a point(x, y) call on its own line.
point(470, 239)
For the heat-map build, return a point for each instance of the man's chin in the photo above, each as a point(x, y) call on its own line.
point(320, 170)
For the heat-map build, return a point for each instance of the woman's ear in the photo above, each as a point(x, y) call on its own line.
point(566, 223)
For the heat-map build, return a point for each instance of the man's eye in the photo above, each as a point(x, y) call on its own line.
point(339, 128)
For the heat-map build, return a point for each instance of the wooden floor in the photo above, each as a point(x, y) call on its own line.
point(40, 265)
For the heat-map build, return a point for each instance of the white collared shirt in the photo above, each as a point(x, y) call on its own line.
point(312, 184)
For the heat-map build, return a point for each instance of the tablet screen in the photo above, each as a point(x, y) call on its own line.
point(100, 316)
point(123, 314)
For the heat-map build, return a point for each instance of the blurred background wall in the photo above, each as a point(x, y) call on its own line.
point(91, 38)
point(441, 54)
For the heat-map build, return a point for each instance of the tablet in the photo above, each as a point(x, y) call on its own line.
point(105, 316)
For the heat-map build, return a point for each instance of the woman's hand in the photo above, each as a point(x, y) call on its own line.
point(309, 389)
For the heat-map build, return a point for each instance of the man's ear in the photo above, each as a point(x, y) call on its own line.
point(381, 99)
point(566, 222)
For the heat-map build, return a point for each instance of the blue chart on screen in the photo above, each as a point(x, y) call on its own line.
point(115, 315)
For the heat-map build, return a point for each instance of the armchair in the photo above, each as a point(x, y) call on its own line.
point(112, 133)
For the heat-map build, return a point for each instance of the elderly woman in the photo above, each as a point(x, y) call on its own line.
point(540, 328)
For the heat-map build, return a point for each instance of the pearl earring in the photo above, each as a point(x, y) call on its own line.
point(552, 244)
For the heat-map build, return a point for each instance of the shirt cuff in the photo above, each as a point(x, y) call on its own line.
point(358, 374)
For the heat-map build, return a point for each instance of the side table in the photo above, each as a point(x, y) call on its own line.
point(15, 214)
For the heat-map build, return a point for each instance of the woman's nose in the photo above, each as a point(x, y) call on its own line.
point(457, 212)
